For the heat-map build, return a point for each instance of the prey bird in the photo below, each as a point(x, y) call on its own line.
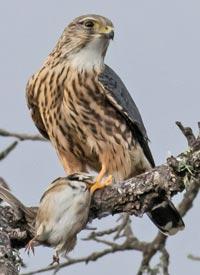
point(82, 106)
point(61, 215)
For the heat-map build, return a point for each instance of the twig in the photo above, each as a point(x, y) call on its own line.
point(9, 149)
point(98, 240)
point(125, 221)
point(20, 136)
point(93, 256)
point(188, 133)
point(100, 233)
point(165, 261)
point(157, 244)
point(117, 229)
point(193, 257)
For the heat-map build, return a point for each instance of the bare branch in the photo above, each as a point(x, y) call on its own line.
point(9, 149)
point(193, 257)
point(10, 260)
point(117, 229)
point(165, 261)
point(188, 133)
point(21, 137)
point(134, 196)
point(90, 258)
point(128, 244)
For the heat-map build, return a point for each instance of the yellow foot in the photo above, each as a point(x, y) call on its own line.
point(99, 185)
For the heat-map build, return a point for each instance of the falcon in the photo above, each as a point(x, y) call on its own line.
point(82, 106)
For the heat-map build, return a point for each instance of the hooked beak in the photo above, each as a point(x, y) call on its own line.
point(108, 32)
point(110, 35)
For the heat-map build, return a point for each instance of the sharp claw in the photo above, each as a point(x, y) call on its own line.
point(108, 181)
point(99, 185)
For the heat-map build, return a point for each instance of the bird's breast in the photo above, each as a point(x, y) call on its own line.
point(80, 119)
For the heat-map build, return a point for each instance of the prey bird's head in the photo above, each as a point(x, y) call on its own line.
point(84, 41)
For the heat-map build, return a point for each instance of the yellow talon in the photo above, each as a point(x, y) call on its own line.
point(99, 185)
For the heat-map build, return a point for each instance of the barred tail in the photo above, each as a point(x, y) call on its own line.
point(166, 217)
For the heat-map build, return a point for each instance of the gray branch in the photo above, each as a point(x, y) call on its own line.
point(134, 196)
point(10, 261)
point(20, 136)
point(137, 195)
point(8, 150)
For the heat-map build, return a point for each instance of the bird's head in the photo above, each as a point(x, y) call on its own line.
point(76, 180)
point(81, 177)
point(85, 40)
point(91, 27)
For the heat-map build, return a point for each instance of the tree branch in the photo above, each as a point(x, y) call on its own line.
point(7, 151)
point(134, 196)
point(194, 258)
point(21, 137)
point(137, 195)
point(10, 261)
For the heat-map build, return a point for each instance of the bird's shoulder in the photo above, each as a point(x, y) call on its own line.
point(118, 95)
point(33, 85)
point(54, 188)
point(32, 103)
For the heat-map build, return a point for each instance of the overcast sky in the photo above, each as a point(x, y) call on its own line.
point(156, 53)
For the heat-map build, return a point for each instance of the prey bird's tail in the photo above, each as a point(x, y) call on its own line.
point(166, 217)
point(29, 213)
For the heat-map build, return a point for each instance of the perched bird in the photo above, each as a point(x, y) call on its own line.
point(61, 215)
point(82, 106)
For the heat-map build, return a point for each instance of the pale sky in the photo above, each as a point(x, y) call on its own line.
point(156, 53)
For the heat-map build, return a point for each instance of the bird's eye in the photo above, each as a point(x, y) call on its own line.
point(89, 24)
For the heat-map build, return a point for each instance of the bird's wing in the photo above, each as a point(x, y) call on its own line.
point(119, 97)
point(54, 203)
point(53, 185)
point(35, 114)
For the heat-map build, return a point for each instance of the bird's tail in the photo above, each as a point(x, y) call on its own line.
point(28, 212)
point(166, 217)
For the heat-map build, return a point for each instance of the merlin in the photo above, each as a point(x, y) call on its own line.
point(82, 106)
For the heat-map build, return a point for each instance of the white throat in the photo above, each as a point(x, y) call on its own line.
point(89, 57)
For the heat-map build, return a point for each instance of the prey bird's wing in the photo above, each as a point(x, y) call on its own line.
point(119, 97)
point(35, 114)
point(52, 186)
